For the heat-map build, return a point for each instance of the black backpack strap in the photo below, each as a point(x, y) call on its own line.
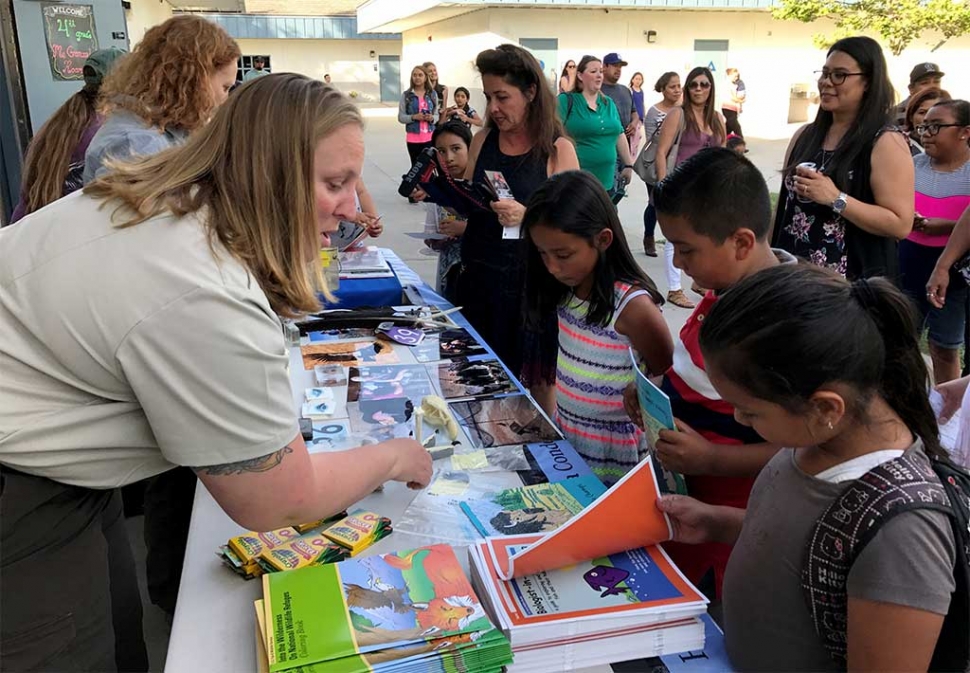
point(847, 526)
point(953, 646)
point(569, 107)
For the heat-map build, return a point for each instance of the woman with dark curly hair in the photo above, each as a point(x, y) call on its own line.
point(168, 87)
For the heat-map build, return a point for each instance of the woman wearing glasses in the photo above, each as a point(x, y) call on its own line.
point(845, 200)
point(919, 104)
point(942, 195)
point(688, 129)
point(568, 78)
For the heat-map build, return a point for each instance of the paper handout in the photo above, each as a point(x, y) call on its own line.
point(625, 517)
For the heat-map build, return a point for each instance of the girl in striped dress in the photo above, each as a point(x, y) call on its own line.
point(580, 264)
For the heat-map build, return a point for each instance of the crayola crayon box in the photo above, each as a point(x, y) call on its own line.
point(315, 543)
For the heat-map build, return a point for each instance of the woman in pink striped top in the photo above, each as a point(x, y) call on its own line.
point(942, 194)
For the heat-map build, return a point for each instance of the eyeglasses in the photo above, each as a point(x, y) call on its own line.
point(699, 84)
point(932, 129)
point(837, 77)
point(571, 67)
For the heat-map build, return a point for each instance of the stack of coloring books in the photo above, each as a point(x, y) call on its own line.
point(400, 612)
point(597, 590)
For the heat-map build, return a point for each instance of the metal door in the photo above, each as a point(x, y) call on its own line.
point(45, 92)
point(712, 54)
point(546, 50)
point(390, 75)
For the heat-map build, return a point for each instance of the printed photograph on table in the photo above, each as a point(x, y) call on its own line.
point(540, 508)
point(451, 343)
point(384, 419)
point(474, 378)
point(357, 353)
point(503, 421)
point(345, 334)
point(386, 382)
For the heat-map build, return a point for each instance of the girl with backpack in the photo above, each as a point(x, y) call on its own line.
point(580, 266)
point(833, 370)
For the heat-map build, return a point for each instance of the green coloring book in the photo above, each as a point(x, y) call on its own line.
point(371, 611)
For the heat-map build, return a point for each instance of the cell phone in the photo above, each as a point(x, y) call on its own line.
point(306, 429)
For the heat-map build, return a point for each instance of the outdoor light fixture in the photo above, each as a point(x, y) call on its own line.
point(651, 36)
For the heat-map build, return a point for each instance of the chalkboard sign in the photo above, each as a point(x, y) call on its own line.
point(71, 38)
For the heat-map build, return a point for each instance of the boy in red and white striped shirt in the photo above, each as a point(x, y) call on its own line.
point(714, 208)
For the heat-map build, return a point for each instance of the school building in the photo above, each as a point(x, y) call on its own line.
point(776, 58)
point(368, 49)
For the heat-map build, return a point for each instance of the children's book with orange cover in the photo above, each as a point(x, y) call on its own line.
point(603, 573)
point(625, 517)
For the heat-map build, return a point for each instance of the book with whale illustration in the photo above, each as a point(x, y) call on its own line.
point(601, 575)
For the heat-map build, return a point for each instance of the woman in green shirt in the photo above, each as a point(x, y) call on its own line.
point(592, 121)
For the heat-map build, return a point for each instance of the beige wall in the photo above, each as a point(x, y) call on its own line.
point(348, 62)
point(453, 46)
point(771, 55)
point(143, 15)
point(301, 7)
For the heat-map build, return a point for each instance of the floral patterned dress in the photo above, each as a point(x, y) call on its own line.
point(811, 230)
point(815, 232)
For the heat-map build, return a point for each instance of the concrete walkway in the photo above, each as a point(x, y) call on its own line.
point(387, 160)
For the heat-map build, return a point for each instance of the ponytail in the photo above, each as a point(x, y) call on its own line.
point(905, 377)
point(785, 332)
point(49, 156)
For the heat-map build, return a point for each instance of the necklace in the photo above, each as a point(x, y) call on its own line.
point(826, 155)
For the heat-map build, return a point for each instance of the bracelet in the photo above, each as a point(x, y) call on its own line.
point(626, 166)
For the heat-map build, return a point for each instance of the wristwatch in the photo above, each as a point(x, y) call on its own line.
point(840, 203)
point(626, 166)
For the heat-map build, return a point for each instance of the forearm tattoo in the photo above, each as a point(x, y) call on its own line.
point(260, 464)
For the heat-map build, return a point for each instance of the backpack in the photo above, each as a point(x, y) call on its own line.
point(645, 164)
point(851, 521)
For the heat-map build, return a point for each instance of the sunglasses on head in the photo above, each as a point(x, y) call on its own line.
point(699, 84)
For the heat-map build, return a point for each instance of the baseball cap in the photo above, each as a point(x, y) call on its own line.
point(613, 59)
point(924, 69)
point(99, 64)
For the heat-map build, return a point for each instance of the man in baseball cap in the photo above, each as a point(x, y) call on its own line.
point(922, 76)
point(622, 97)
point(99, 63)
point(614, 59)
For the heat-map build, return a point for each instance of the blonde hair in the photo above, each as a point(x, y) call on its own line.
point(254, 192)
point(165, 78)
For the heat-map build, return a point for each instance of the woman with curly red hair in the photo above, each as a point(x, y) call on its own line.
point(168, 87)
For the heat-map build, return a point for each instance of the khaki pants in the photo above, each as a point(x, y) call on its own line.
point(67, 578)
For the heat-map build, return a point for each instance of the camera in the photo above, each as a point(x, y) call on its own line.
point(422, 170)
